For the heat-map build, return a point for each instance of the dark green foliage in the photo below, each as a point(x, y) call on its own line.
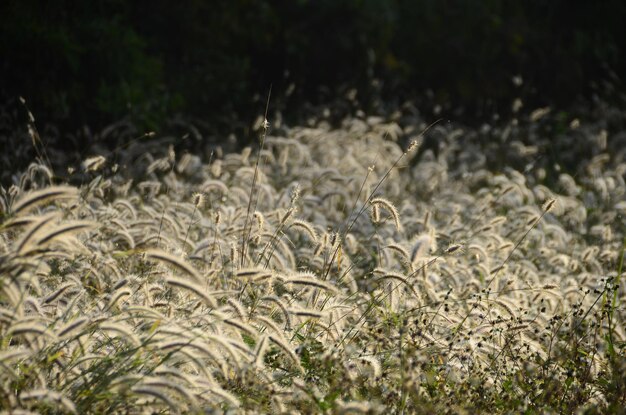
point(76, 59)
point(98, 60)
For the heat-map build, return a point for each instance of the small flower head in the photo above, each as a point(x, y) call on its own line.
point(549, 205)
point(452, 248)
point(295, 194)
point(412, 146)
point(198, 200)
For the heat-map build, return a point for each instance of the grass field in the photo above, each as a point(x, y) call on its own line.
point(323, 271)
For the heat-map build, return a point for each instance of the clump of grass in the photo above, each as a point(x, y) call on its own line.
point(267, 288)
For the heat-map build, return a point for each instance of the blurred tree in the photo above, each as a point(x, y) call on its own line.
point(92, 62)
point(75, 59)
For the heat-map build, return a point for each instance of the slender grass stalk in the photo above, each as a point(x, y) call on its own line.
point(253, 196)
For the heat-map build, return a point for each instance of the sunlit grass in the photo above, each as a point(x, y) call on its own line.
point(324, 271)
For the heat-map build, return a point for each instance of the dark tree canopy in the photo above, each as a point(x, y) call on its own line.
point(91, 62)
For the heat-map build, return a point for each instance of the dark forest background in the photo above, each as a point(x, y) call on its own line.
point(93, 62)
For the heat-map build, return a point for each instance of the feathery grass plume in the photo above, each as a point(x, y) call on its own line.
point(127, 206)
point(306, 226)
point(181, 346)
point(117, 296)
point(176, 262)
point(253, 274)
point(28, 238)
point(237, 307)
point(63, 230)
point(458, 338)
point(161, 382)
point(306, 280)
point(160, 165)
point(287, 349)
point(287, 215)
point(241, 326)
point(307, 313)
point(26, 327)
point(155, 393)
point(549, 205)
point(233, 254)
point(124, 381)
point(124, 236)
point(406, 258)
point(71, 328)
point(211, 185)
point(549, 286)
point(37, 198)
point(503, 304)
point(32, 305)
point(497, 269)
point(505, 246)
point(49, 397)
point(533, 220)
point(375, 214)
point(198, 200)
point(226, 396)
point(269, 323)
point(93, 164)
point(283, 307)
point(259, 351)
point(197, 289)
point(479, 252)
point(175, 373)
point(423, 245)
point(452, 248)
point(119, 284)
point(145, 312)
point(244, 349)
point(260, 220)
point(123, 330)
point(17, 222)
point(11, 293)
point(387, 275)
point(498, 220)
point(58, 292)
point(229, 346)
point(12, 355)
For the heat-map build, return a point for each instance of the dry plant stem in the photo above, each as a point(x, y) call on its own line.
point(613, 307)
point(163, 211)
point(403, 396)
point(252, 205)
point(189, 227)
point(214, 244)
point(38, 144)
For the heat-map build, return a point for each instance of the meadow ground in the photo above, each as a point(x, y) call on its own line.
point(342, 271)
